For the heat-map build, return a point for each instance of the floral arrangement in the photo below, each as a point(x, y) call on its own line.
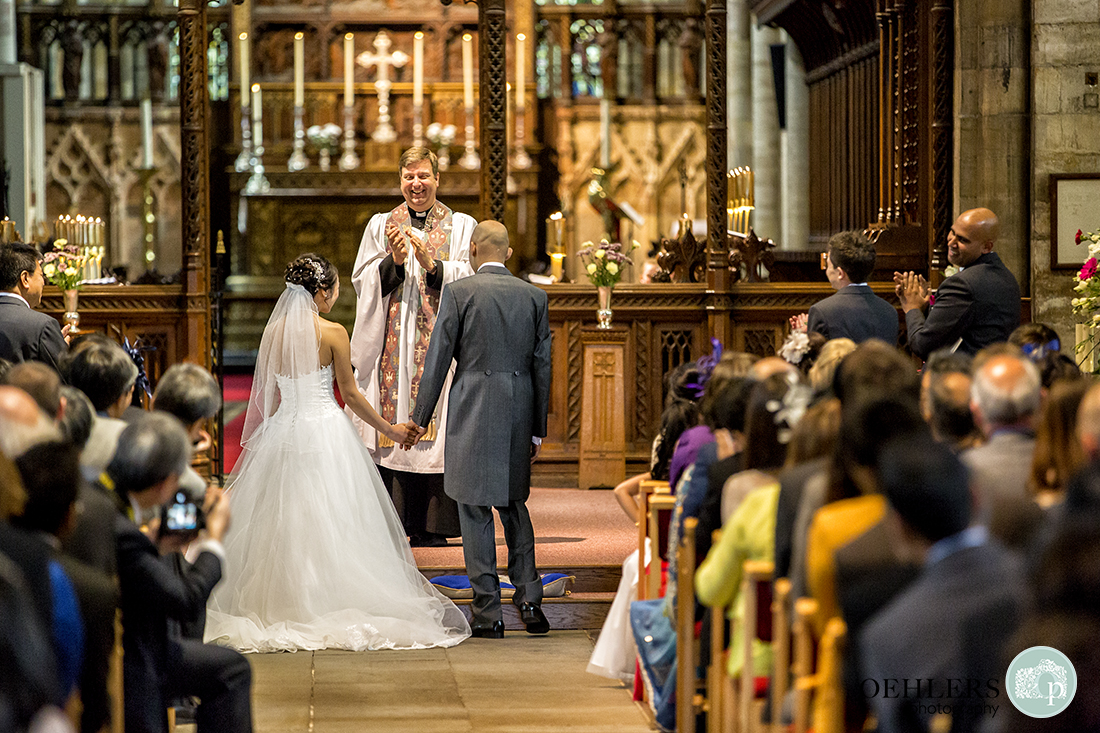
point(441, 135)
point(1087, 286)
point(604, 262)
point(325, 137)
point(64, 266)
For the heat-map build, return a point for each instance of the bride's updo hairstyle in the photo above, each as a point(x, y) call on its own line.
point(312, 271)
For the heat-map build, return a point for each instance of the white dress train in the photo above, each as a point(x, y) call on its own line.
point(316, 556)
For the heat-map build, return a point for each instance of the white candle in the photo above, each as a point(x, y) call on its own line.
point(257, 116)
point(245, 61)
point(299, 70)
point(146, 133)
point(418, 69)
point(349, 69)
point(521, 73)
point(468, 70)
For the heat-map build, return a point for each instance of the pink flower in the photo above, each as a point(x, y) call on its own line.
point(1077, 239)
point(1088, 269)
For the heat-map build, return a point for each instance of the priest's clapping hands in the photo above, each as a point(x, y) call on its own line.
point(400, 242)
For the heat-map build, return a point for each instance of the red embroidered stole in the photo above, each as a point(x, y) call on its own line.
point(438, 228)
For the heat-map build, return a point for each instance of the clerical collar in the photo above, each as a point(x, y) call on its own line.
point(418, 219)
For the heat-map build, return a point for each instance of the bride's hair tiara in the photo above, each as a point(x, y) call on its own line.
point(311, 271)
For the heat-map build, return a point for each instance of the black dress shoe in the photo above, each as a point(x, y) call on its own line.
point(494, 630)
point(534, 618)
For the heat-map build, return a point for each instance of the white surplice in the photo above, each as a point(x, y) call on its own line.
point(367, 339)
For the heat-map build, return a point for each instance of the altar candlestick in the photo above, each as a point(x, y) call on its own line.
point(257, 116)
point(349, 69)
point(146, 133)
point(521, 73)
point(245, 60)
point(418, 68)
point(468, 70)
point(299, 70)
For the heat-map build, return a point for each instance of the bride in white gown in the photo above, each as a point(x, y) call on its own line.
point(316, 556)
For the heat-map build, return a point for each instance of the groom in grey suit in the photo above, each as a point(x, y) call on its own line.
point(496, 327)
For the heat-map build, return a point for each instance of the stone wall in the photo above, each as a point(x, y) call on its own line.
point(1065, 136)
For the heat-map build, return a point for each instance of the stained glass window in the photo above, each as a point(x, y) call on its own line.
point(585, 58)
point(547, 61)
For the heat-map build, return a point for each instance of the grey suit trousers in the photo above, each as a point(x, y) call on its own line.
point(480, 552)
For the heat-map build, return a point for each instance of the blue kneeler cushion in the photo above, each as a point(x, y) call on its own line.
point(457, 587)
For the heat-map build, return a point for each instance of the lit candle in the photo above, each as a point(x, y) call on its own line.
point(468, 70)
point(349, 69)
point(146, 133)
point(257, 116)
point(299, 70)
point(556, 261)
point(418, 69)
point(245, 61)
point(521, 73)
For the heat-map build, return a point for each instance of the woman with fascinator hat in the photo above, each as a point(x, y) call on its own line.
point(317, 557)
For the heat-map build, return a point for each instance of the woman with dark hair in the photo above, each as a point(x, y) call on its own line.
point(317, 557)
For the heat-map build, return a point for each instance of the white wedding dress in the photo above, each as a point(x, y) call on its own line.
point(316, 557)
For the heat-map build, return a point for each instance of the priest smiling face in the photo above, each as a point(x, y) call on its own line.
point(418, 185)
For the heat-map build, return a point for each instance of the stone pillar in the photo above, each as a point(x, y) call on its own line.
point(739, 58)
point(765, 137)
point(8, 43)
point(993, 147)
point(796, 154)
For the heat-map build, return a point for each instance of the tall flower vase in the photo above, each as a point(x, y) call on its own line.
point(71, 317)
point(603, 313)
point(326, 159)
point(1085, 348)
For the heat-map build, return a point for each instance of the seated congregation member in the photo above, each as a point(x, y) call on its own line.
point(749, 533)
point(1005, 400)
point(873, 369)
point(952, 622)
point(828, 359)
point(41, 382)
point(945, 399)
point(152, 454)
point(26, 334)
point(854, 311)
point(192, 395)
point(103, 371)
point(51, 476)
point(1041, 344)
point(1058, 455)
point(977, 306)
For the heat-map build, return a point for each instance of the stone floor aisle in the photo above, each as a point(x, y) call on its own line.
point(520, 684)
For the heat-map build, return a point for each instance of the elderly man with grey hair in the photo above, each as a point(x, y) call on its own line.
point(1005, 397)
point(153, 451)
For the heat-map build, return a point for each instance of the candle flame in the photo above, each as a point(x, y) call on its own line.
point(299, 36)
point(467, 37)
point(418, 35)
point(243, 36)
point(521, 37)
point(255, 88)
point(349, 36)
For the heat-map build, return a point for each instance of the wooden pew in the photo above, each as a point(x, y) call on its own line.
point(781, 648)
point(660, 508)
point(646, 490)
point(687, 700)
point(756, 589)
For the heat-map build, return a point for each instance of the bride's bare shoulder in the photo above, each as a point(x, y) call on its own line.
point(331, 330)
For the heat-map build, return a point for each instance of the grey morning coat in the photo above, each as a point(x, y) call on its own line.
point(497, 329)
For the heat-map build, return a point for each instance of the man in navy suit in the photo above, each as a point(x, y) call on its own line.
point(939, 642)
point(976, 307)
point(25, 334)
point(854, 311)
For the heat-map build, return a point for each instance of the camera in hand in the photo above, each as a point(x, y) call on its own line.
point(182, 516)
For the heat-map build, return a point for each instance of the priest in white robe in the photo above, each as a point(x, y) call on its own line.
point(405, 258)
